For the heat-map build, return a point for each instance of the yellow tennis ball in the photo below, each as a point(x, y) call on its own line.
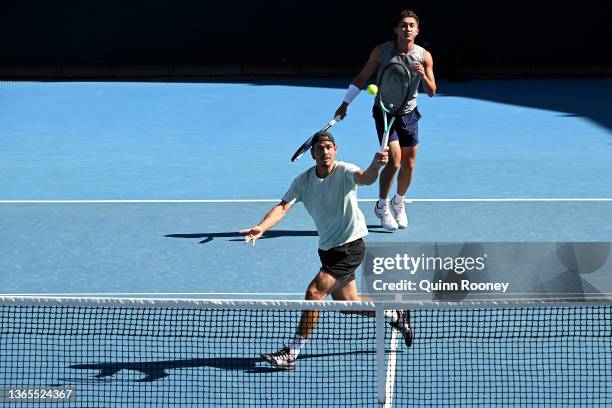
point(372, 89)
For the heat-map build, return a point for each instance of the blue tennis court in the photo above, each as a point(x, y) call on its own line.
point(139, 189)
point(151, 141)
point(128, 142)
point(194, 248)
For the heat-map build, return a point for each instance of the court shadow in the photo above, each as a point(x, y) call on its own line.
point(237, 237)
point(555, 95)
point(156, 370)
point(560, 95)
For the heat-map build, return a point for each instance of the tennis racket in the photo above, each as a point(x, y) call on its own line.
point(393, 91)
point(308, 143)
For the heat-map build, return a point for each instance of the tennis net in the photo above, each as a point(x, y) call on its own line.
point(152, 352)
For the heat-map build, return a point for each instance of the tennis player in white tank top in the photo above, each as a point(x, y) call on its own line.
point(403, 138)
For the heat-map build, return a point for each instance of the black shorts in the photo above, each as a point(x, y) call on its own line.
point(341, 262)
point(405, 128)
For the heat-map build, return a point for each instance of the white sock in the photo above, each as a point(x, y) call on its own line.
point(296, 344)
point(391, 314)
point(398, 199)
point(382, 202)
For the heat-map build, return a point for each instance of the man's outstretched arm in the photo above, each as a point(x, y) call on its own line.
point(272, 218)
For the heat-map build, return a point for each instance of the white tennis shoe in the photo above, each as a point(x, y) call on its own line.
point(399, 213)
point(386, 218)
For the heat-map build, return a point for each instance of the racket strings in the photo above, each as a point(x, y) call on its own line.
point(394, 87)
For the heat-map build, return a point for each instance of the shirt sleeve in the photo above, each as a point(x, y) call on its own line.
point(293, 195)
point(349, 174)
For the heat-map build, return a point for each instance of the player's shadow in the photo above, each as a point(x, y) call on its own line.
point(156, 370)
point(237, 237)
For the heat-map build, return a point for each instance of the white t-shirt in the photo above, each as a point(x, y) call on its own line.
point(332, 204)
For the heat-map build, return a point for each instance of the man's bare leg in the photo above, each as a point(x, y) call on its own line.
point(320, 287)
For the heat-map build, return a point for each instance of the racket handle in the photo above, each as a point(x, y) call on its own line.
point(332, 123)
point(385, 138)
point(384, 141)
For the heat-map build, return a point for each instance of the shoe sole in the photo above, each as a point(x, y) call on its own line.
point(408, 340)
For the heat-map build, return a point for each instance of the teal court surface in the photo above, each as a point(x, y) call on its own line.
point(122, 191)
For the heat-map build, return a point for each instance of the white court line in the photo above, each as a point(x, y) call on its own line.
point(275, 200)
point(603, 296)
point(135, 201)
point(391, 366)
point(156, 294)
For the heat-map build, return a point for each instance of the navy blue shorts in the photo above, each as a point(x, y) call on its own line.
point(405, 128)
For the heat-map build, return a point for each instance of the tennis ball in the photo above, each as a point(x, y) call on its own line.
point(372, 89)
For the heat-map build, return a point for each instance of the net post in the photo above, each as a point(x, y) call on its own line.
point(380, 353)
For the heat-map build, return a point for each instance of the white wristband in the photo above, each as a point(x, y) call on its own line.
point(351, 94)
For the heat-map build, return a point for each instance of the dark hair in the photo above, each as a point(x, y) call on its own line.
point(405, 14)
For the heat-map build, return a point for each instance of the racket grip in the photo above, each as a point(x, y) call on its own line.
point(334, 120)
point(384, 141)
